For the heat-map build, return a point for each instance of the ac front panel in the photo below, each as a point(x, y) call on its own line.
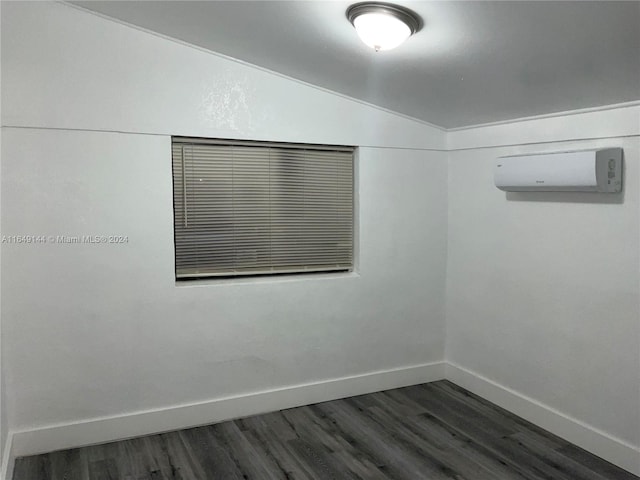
point(580, 171)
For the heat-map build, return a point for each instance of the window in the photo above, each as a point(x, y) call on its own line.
point(252, 208)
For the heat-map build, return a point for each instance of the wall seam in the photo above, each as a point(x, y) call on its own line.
point(123, 132)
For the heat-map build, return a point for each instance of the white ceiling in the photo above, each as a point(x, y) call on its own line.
point(472, 63)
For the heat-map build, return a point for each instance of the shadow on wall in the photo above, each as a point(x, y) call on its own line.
point(567, 197)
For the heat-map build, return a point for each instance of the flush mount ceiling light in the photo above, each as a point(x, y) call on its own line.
point(382, 26)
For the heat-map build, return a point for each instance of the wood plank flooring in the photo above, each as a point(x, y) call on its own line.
point(434, 431)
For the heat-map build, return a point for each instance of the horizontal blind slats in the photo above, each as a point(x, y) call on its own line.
point(245, 209)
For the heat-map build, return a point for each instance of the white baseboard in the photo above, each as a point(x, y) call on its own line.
point(102, 430)
point(590, 438)
point(8, 459)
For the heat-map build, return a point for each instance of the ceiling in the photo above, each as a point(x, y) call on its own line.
point(472, 62)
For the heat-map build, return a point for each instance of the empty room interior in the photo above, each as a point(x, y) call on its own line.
point(320, 240)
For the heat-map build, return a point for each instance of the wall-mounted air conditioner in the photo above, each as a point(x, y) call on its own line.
point(578, 171)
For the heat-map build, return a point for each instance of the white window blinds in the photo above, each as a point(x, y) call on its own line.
point(249, 208)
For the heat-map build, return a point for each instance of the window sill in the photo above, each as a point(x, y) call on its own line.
point(305, 277)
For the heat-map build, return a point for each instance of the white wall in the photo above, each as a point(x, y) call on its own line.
point(543, 288)
point(93, 331)
point(3, 410)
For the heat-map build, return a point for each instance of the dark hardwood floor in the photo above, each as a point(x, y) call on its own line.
point(432, 431)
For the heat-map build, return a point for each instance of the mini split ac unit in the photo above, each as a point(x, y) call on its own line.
point(578, 171)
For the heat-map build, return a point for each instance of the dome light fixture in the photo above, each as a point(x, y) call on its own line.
point(383, 26)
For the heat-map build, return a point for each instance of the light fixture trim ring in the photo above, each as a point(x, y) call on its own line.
point(403, 14)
